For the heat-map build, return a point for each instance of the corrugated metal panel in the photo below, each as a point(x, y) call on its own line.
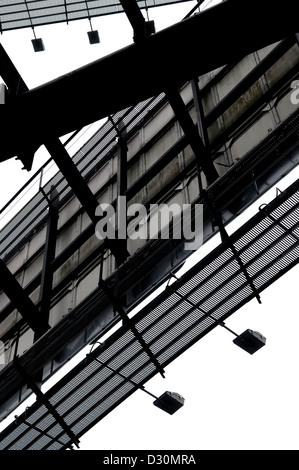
point(17, 14)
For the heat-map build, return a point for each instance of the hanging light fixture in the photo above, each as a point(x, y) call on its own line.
point(93, 35)
point(38, 44)
point(169, 402)
point(250, 340)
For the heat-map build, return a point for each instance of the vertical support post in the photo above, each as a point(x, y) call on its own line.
point(200, 121)
point(49, 256)
point(122, 180)
point(190, 130)
point(200, 112)
point(122, 184)
point(134, 15)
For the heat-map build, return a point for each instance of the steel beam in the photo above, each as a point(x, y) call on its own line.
point(16, 86)
point(83, 192)
point(43, 399)
point(201, 123)
point(73, 176)
point(203, 157)
point(221, 35)
point(122, 155)
point(46, 284)
point(10, 74)
point(136, 18)
point(21, 300)
point(122, 178)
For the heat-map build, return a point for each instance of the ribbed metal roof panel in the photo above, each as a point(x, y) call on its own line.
point(17, 14)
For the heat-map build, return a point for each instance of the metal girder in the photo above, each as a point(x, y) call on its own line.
point(21, 300)
point(202, 155)
point(220, 35)
point(135, 17)
point(73, 176)
point(42, 399)
point(16, 86)
point(122, 155)
point(201, 122)
point(10, 75)
point(83, 193)
point(46, 284)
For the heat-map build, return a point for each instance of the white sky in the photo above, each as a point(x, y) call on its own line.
point(232, 400)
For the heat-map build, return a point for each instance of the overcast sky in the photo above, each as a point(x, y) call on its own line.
point(232, 400)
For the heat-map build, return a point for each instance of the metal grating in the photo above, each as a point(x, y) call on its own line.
point(16, 14)
point(268, 246)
